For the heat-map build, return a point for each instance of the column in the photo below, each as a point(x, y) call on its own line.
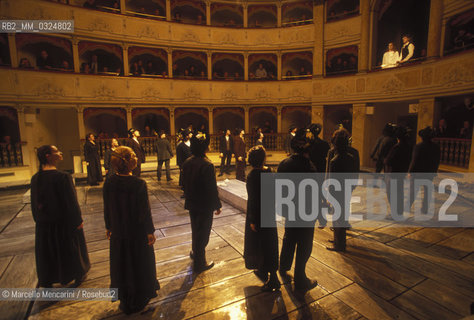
point(426, 109)
point(209, 65)
point(75, 55)
point(364, 36)
point(317, 116)
point(123, 7)
point(13, 52)
point(247, 119)
point(20, 109)
point(168, 10)
point(126, 69)
point(208, 13)
point(318, 50)
point(434, 30)
point(279, 123)
point(80, 121)
point(246, 66)
point(128, 108)
point(211, 119)
point(279, 70)
point(279, 14)
point(172, 125)
point(360, 133)
point(170, 62)
point(246, 14)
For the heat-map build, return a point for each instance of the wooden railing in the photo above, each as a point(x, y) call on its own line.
point(10, 155)
point(455, 152)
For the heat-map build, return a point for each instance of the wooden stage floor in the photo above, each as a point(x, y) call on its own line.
point(403, 273)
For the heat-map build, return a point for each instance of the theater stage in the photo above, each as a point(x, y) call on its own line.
point(407, 273)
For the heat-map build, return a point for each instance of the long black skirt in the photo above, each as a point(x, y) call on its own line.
point(261, 248)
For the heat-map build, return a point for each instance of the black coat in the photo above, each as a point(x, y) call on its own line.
point(426, 157)
point(127, 215)
point(398, 159)
point(261, 247)
point(183, 152)
point(223, 144)
point(61, 251)
point(163, 149)
point(239, 148)
point(94, 169)
point(318, 153)
point(200, 186)
point(138, 149)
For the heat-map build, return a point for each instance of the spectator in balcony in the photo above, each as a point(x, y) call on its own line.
point(251, 76)
point(260, 244)
point(203, 75)
point(200, 19)
point(339, 66)
point(289, 137)
point(65, 65)
point(138, 149)
point(303, 72)
point(390, 57)
point(231, 23)
point(425, 159)
point(441, 130)
point(176, 71)
point(177, 17)
point(60, 246)
point(408, 48)
point(92, 158)
point(129, 227)
point(267, 128)
point(94, 64)
point(192, 71)
point(186, 74)
point(289, 75)
point(85, 68)
point(44, 61)
point(164, 74)
point(463, 39)
point(466, 130)
point(164, 154)
point(226, 148)
point(353, 63)
point(90, 4)
point(141, 67)
point(237, 76)
point(226, 76)
point(135, 69)
point(240, 155)
point(261, 73)
point(150, 69)
point(25, 64)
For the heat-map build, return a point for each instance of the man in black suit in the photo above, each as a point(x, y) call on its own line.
point(297, 236)
point(289, 137)
point(164, 154)
point(319, 148)
point(201, 199)
point(226, 146)
point(183, 152)
point(137, 148)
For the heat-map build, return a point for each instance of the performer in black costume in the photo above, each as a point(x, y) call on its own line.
point(226, 148)
point(130, 230)
point(183, 152)
point(298, 236)
point(260, 244)
point(91, 155)
point(319, 148)
point(60, 246)
point(201, 199)
point(136, 146)
point(109, 170)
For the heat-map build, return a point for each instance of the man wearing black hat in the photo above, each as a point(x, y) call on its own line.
point(289, 137)
point(226, 147)
point(298, 234)
point(319, 148)
point(383, 146)
point(137, 148)
point(202, 199)
point(183, 152)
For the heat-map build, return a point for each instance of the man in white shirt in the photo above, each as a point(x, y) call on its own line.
point(408, 48)
point(390, 57)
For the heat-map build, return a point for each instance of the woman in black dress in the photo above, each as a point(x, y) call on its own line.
point(60, 247)
point(91, 155)
point(130, 230)
point(261, 244)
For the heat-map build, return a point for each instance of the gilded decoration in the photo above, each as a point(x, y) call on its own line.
point(150, 93)
point(191, 93)
point(104, 92)
point(457, 74)
point(49, 89)
point(427, 76)
point(99, 25)
point(148, 32)
point(229, 94)
point(392, 85)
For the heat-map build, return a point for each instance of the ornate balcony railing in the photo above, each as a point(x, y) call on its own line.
point(455, 152)
point(10, 155)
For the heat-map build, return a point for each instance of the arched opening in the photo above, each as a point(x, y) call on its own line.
point(147, 61)
point(299, 117)
point(189, 64)
point(262, 16)
point(195, 117)
point(297, 65)
point(151, 121)
point(227, 66)
point(100, 58)
point(4, 51)
point(44, 52)
point(297, 13)
point(148, 8)
point(189, 11)
point(228, 15)
point(394, 19)
point(228, 118)
point(263, 117)
point(342, 60)
point(263, 67)
point(106, 122)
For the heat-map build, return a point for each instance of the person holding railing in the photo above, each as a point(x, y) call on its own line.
point(408, 49)
point(390, 57)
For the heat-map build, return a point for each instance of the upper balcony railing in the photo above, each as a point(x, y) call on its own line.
point(11, 155)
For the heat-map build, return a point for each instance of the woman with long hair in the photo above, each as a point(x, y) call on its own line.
point(60, 246)
point(130, 230)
